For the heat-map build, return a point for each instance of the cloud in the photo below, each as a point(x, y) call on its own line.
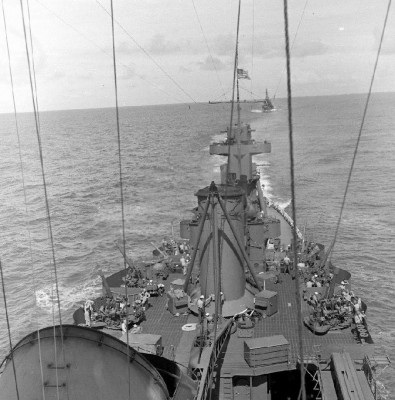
point(184, 70)
point(310, 48)
point(223, 45)
point(274, 47)
point(127, 72)
point(388, 45)
point(212, 64)
point(159, 45)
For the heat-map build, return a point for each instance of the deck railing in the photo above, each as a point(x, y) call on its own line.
point(287, 218)
point(207, 374)
point(370, 377)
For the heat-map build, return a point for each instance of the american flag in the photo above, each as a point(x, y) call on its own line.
point(242, 74)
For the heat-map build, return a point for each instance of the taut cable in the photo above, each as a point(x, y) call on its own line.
point(295, 238)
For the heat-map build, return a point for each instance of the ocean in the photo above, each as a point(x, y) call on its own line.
point(165, 160)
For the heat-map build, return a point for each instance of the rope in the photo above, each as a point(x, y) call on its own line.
point(41, 161)
point(252, 45)
point(292, 45)
point(33, 67)
point(30, 246)
point(361, 127)
point(8, 320)
point(233, 92)
point(22, 176)
point(234, 75)
point(36, 119)
point(54, 342)
point(120, 185)
point(155, 86)
point(208, 48)
point(149, 55)
point(295, 239)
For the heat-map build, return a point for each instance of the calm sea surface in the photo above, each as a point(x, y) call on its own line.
point(165, 161)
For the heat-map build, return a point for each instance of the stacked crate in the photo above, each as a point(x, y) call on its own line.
point(267, 351)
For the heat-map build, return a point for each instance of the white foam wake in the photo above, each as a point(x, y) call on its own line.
point(46, 297)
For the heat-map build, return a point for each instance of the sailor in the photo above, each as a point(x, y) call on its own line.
point(137, 329)
point(124, 326)
point(200, 306)
point(122, 304)
point(184, 265)
point(144, 296)
point(314, 299)
point(88, 312)
point(161, 288)
point(182, 247)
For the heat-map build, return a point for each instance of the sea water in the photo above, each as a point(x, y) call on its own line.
point(165, 160)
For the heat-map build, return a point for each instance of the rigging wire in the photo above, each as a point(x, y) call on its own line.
point(54, 341)
point(23, 182)
point(149, 55)
point(252, 45)
point(8, 326)
point(32, 52)
point(155, 86)
point(361, 128)
point(38, 135)
point(292, 45)
point(295, 238)
point(233, 90)
point(120, 185)
point(208, 48)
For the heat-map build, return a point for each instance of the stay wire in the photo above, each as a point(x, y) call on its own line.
point(208, 48)
point(292, 45)
point(149, 56)
point(252, 44)
point(295, 239)
point(233, 88)
point(43, 178)
point(9, 329)
point(120, 185)
point(33, 65)
point(23, 182)
point(361, 127)
point(105, 52)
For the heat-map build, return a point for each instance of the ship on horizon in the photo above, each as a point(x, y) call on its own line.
point(267, 105)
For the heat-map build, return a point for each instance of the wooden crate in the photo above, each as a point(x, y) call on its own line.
point(266, 301)
point(177, 305)
point(144, 342)
point(266, 351)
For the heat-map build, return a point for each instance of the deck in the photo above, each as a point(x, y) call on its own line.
point(177, 343)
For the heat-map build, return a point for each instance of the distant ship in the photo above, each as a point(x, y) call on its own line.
point(267, 105)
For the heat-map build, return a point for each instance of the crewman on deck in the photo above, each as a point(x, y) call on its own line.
point(124, 326)
point(200, 306)
point(88, 309)
point(184, 265)
point(161, 288)
point(137, 329)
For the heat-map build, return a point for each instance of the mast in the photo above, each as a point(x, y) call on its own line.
point(235, 84)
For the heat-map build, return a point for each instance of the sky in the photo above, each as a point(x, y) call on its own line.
point(182, 51)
